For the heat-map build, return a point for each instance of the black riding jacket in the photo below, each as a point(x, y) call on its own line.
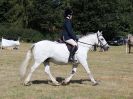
point(68, 31)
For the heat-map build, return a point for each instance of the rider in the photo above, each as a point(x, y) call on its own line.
point(68, 35)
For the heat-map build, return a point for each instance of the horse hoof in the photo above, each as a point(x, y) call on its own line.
point(54, 83)
point(57, 84)
point(64, 83)
point(94, 84)
point(28, 84)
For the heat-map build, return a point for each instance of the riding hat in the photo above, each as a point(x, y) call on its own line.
point(68, 12)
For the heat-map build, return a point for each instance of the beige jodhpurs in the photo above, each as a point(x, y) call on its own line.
point(72, 42)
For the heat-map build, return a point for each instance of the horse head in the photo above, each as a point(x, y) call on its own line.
point(101, 41)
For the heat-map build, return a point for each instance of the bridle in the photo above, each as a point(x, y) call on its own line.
point(99, 41)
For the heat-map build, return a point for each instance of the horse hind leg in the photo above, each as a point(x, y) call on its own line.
point(74, 69)
point(33, 68)
point(47, 70)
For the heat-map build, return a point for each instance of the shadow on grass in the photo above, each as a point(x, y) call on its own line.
point(130, 53)
point(60, 80)
point(40, 82)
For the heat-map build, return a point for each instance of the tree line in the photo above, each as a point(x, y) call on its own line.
point(113, 17)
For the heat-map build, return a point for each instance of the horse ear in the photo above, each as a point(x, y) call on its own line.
point(101, 32)
point(18, 38)
point(98, 32)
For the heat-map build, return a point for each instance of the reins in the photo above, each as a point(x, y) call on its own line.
point(85, 43)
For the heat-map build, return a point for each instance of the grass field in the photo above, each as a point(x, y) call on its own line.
point(113, 70)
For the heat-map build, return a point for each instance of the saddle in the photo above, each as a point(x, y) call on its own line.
point(69, 46)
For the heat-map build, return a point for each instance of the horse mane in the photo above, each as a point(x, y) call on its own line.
point(86, 34)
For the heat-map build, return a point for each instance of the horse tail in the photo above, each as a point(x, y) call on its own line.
point(25, 63)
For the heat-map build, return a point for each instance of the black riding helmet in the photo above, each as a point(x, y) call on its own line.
point(68, 12)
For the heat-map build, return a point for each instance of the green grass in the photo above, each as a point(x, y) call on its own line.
point(113, 70)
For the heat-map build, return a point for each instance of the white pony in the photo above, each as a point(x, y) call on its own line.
point(5, 43)
point(48, 51)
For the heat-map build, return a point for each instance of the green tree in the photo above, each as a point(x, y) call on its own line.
point(113, 17)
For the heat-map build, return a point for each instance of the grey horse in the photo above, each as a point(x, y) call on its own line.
point(129, 43)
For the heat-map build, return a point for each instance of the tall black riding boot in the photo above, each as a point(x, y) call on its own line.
point(72, 52)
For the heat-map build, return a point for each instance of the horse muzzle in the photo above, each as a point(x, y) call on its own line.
point(106, 48)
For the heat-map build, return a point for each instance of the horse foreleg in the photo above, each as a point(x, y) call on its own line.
point(33, 68)
point(126, 47)
point(86, 67)
point(74, 69)
point(47, 70)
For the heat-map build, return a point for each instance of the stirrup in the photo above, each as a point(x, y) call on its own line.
point(72, 60)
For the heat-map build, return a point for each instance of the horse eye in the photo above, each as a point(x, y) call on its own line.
point(102, 39)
